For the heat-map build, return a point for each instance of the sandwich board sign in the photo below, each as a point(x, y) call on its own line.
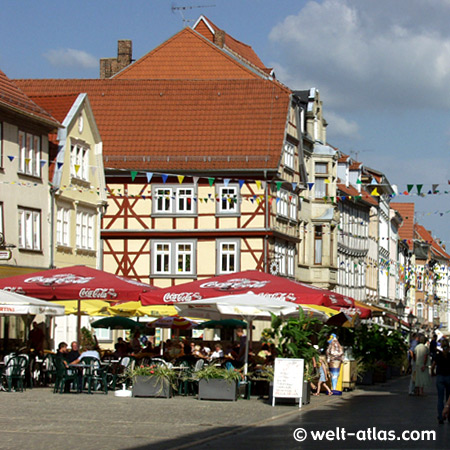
point(288, 379)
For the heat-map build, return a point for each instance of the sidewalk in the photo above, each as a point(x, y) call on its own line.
point(39, 419)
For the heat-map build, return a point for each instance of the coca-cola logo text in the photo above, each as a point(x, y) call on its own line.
point(181, 297)
point(236, 284)
point(97, 293)
point(59, 280)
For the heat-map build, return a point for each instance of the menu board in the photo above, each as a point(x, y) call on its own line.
point(288, 379)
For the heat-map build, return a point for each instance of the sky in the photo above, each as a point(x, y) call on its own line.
point(382, 67)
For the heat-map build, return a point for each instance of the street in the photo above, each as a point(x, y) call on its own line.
point(39, 419)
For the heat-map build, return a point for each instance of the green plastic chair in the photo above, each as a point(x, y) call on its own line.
point(63, 375)
point(15, 372)
point(94, 375)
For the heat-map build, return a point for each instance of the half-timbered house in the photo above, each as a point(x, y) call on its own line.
point(202, 160)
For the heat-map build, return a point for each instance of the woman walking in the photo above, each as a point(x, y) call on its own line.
point(421, 356)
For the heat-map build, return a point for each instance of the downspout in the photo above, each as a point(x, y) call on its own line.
point(378, 253)
point(266, 224)
point(52, 227)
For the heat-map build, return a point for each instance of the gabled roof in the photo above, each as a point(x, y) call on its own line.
point(57, 105)
point(208, 29)
point(425, 235)
point(191, 125)
point(13, 99)
point(351, 191)
point(187, 55)
point(406, 210)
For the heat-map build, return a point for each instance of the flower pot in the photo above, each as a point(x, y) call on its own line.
point(217, 389)
point(144, 386)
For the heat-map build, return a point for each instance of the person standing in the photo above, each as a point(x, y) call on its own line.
point(324, 375)
point(442, 365)
point(413, 344)
point(421, 356)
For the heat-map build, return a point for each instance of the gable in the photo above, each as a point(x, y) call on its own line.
point(187, 55)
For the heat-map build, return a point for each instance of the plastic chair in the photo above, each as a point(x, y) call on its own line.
point(47, 370)
point(94, 375)
point(64, 375)
point(185, 381)
point(117, 372)
point(15, 372)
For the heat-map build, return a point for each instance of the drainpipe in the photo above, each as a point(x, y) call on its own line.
point(266, 223)
point(52, 226)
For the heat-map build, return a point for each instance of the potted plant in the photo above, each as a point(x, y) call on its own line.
point(218, 383)
point(152, 381)
point(294, 338)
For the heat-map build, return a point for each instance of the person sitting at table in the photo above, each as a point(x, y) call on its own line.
point(89, 353)
point(135, 343)
point(217, 353)
point(121, 348)
point(198, 352)
point(73, 353)
point(62, 352)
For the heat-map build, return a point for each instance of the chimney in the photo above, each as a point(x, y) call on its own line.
point(124, 52)
point(110, 66)
point(219, 38)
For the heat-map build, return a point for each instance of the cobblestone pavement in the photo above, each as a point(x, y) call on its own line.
point(39, 419)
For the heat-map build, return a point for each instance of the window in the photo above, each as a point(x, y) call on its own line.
point(63, 227)
point(419, 309)
point(79, 162)
point(228, 200)
point(291, 261)
point(293, 207)
point(320, 190)
point(29, 154)
point(173, 258)
point(103, 334)
point(184, 255)
point(321, 168)
point(29, 229)
point(85, 230)
point(227, 256)
point(282, 202)
point(289, 153)
point(171, 200)
point(318, 244)
point(163, 201)
point(185, 200)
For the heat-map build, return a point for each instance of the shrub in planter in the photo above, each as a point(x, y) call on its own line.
point(217, 383)
point(152, 381)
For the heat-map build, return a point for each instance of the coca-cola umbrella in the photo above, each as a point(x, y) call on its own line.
point(76, 283)
point(260, 283)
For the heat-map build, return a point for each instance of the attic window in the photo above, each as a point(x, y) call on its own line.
point(80, 124)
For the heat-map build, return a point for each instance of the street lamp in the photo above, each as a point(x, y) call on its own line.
point(410, 319)
point(400, 308)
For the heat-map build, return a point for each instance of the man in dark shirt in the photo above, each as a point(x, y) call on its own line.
point(73, 354)
point(442, 364)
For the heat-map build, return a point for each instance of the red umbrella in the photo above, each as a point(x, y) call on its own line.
point(258, 283)
point(76, 283)
point(175, 322)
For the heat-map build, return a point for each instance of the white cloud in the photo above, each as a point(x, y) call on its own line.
point(365, 54)
point(340, 127)
point(69, 57)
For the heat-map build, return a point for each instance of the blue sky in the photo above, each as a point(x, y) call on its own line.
point(382, 67)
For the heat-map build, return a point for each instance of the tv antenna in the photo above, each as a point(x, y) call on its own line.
point(182, 9)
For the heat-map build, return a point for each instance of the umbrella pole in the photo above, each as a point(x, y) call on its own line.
point(79, 321)
point(247, 337)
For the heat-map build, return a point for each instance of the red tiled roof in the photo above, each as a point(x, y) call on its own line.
point(57, 105)
point(406, 210)
point(186, 55)
point(13, 98)
point(353, 192)
point(343, 158)
point(355, 165)
point(425, 235)
point(238, 47)
point(182, 124)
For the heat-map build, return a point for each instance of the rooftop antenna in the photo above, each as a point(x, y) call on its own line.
point(182, 9)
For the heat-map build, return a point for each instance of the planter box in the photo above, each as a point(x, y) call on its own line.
point(379, 376)
point(217, 389)
point(151, 387)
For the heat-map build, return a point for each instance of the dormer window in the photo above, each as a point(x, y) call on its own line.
point(289, 155)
